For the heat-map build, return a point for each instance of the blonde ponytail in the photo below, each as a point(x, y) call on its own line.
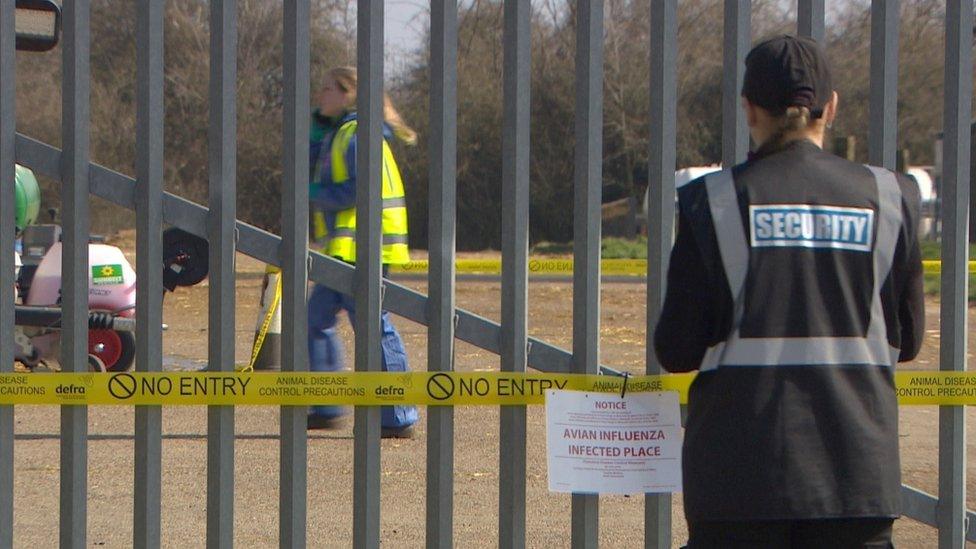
point(400, 128)
point(793, 120)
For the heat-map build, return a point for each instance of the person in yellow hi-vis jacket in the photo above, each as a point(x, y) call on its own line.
point(333, 191)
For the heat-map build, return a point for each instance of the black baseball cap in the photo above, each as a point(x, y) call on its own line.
point(788, 71)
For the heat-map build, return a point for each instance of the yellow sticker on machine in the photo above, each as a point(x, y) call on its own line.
point(385, 388)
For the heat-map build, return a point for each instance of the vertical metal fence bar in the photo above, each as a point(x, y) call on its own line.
point(442, 200)
point(951, 509)
point(8, 112)
point(369, 160)
point(810, 19)
point(222, 236)
point(588, 184)
point(149, 250)
point(883, 106)
point(735, 132)
point(293, 492)
point(75, 126)
point(515, 251)
point(660, 213)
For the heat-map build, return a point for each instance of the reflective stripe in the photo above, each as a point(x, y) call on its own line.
point(889, 225)
point(346, 219)
point(397, 202)
point(737, 351)
point(394, 239)
point(806, 351)
point(731, 234)
point(387, 238)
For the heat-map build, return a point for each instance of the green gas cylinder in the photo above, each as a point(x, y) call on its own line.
point(27, 197)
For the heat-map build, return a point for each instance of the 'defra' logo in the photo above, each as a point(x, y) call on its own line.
point(69, 390)
point(389, 390)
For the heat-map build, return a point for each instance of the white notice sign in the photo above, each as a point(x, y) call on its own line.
point(602, 443)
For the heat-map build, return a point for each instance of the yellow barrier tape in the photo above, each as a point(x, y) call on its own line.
point(265, 323)
point(937, 388)
point(537, 266)
point(564, 267)
point(343, 388)
point(935, 266)
point(384, 388)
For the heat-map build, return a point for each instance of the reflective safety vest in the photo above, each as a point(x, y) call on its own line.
point(342, 242)
point(804, 297)
point(873, 348)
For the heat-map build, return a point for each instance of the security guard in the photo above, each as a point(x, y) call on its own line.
point(333, 192)
point(795, 285)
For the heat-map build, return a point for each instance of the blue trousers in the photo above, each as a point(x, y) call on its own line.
point(325, 350)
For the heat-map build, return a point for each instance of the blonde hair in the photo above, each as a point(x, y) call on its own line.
point(347, 80)
point(793, 120)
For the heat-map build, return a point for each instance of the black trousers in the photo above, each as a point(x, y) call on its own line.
point(792, 534)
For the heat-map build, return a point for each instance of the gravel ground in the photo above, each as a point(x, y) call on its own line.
point(403, 461)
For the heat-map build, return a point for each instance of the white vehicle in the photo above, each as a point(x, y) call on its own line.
point(687, 175)
point(926, 184)
point(926, 189)
point(921, 174)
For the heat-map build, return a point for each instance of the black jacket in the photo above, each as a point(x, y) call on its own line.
point(797, 441)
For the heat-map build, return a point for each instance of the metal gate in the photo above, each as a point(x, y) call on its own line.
point(509, 340)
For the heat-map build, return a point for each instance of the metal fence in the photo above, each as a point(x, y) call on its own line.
point(509, 340)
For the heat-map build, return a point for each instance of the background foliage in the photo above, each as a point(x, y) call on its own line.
point(480, 61)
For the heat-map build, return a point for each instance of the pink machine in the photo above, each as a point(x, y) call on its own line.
point(111, 295)
point(111, 290)
point(111, 280)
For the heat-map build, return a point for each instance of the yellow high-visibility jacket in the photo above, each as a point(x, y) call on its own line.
point(339, 201)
